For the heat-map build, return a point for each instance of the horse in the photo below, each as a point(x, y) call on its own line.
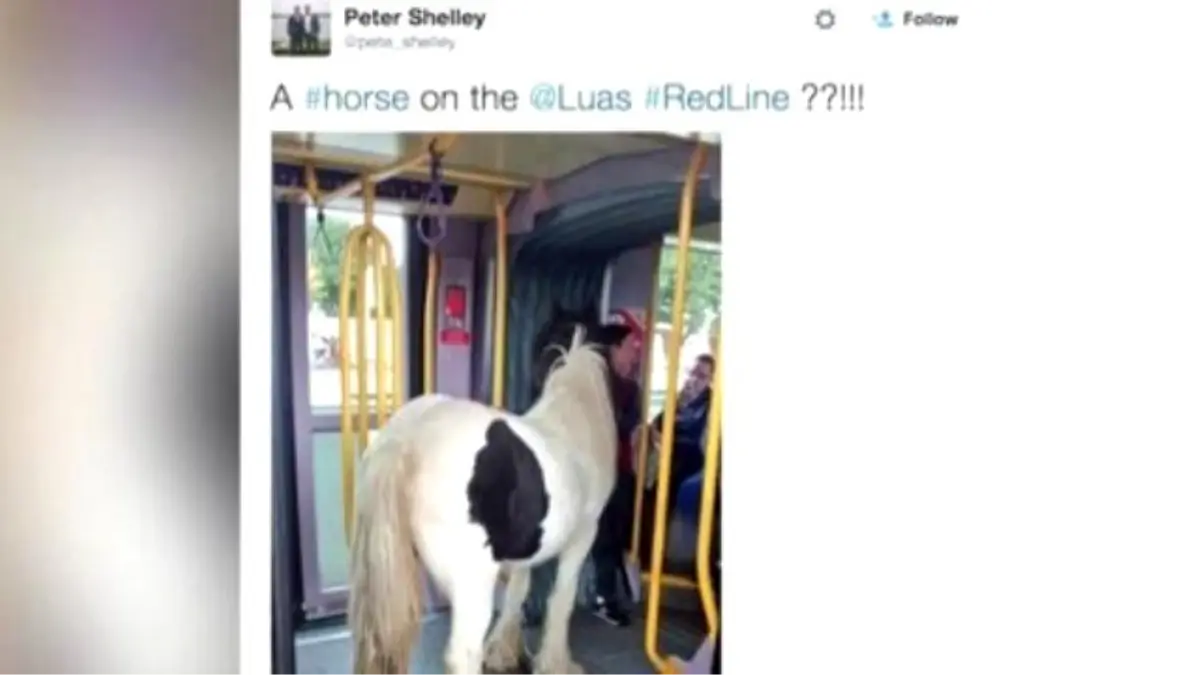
point(471, 492)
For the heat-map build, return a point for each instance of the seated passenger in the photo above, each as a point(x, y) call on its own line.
point(691, 425)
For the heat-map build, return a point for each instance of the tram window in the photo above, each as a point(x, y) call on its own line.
point(325, 246)
point(333, 556)
point(701, 315)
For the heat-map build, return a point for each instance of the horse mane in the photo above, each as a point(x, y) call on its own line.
point(551, 341)
point(577, 390)
point(579, 351)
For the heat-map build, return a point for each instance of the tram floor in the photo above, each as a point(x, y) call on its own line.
point(599, 647)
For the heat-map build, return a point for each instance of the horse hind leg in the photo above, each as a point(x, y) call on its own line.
point(472, 590)
point(505, 645)
point(555, 653)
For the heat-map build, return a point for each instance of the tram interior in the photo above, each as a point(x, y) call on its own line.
point(588, 220)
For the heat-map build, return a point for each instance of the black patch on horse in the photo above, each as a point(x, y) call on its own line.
point(507, 494)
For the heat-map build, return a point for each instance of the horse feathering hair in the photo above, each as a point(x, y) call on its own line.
point(470, 491)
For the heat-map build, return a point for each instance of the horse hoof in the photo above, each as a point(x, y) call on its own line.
point(502, 657)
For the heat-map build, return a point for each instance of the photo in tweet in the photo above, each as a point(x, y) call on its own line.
point(301, 29)
point(504, 359)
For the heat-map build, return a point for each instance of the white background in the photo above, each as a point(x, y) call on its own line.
point(978, 447)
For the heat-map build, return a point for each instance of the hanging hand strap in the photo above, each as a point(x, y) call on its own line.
point(313, 191)
point(322, 233)
point(432, 215)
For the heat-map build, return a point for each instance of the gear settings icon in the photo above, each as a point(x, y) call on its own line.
point(825, 19)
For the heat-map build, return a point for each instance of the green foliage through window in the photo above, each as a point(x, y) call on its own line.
point(703, 293)
point(325, 247)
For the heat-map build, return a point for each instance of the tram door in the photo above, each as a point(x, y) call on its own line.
point(313, 266)
point(461, 332)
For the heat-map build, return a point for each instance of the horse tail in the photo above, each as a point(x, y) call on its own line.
point(385, 573)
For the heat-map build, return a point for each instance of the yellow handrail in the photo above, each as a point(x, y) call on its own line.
point(643, 456)
point(399, 331)
point(310, 183)
point(643, 449)
point(500, 302)
point(350, 248)
point(362, 421)
point(708, 500)
point(379, 258)
point(687, 207)
point(365, 248)
point(433, 272)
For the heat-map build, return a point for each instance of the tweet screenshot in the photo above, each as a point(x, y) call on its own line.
point(521, 269)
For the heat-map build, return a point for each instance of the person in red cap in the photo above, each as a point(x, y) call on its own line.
point(624, 340)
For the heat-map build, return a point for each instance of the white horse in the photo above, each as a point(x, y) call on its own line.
point(471, 491)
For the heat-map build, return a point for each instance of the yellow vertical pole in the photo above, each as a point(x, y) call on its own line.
point(433, 273)
point(643, 449)
point(352, 359)
point(687, 207)
point(708, 502)
point(500, 302)
point(379, 255)
point(399, 331)
point(363, 412)
point(310, 183)
point(366, 248)
point(362, 404)
point(311, 186)
point(345, 362)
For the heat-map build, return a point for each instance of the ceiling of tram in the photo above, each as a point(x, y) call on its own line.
point(478, 163)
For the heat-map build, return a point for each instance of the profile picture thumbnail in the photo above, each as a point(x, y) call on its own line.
point(300, 28)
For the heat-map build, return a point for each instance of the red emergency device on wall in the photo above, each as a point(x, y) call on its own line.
point(454, 312)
